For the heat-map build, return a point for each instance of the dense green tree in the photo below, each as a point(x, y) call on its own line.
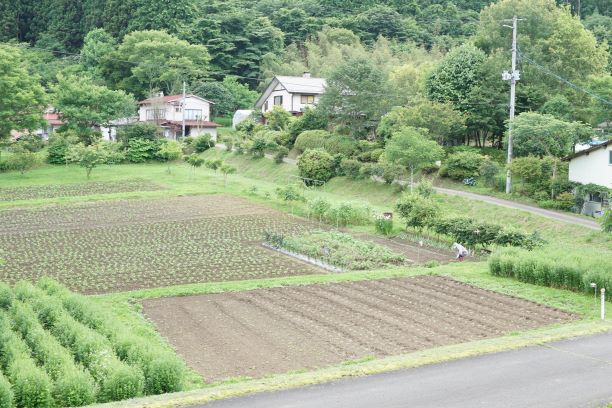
point(456, 76)
point(544, 135)
point(98, 44)
point(22, 98)
point(86, 106)
point(443, 123)
point(147, 61)
point(409, 148)
point(549, 35)
point(244, 98)
point(224, 102)
point(355, 96)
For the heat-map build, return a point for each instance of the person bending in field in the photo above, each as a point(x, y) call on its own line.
point(461, 251)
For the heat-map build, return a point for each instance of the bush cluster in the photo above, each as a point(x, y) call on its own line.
point(558, 268)
point(422, 212)
point(462, 165)
point(316, 165)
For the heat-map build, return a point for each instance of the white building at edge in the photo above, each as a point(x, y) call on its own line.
point(293, 93)
point(592, 165)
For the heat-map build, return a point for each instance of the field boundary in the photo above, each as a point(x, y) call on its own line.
point(362, 368)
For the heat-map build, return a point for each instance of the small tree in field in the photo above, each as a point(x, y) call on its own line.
point(194, 161)
point(213, 164)
point(169, 151)
point(88, 157)
point(226, 169)
point(409, 148)
point(22, 161)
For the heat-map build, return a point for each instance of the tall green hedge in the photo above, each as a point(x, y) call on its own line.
point(554, 268)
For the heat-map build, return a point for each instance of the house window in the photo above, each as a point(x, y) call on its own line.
point(278, 100)
point(177, 109)
point(307, 99)
point(193, 114)
point(266, 106)
point(156, 114)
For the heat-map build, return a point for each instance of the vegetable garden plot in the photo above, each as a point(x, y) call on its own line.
point(79, 189)
point(264, 331)
point(130, 244)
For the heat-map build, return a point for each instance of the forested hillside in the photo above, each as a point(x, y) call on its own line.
point(435, 56)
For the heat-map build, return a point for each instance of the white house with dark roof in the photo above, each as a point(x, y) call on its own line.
point(292, 93)
point(168, 112)
point(593, 165)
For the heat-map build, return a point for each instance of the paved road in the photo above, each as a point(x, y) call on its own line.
point(585, 222)
point(525, 207)
point(573, 373)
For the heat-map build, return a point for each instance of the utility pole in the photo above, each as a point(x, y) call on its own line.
point(512, 76)
point(183, 106)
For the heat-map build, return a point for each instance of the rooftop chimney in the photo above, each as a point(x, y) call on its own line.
point(306, 74)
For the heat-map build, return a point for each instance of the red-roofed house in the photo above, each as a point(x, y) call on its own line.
point(168, 111)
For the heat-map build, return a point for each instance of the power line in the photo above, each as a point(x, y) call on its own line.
point(563, 80)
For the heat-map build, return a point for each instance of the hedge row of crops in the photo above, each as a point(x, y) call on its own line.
point(60, 349)
point(555, 268)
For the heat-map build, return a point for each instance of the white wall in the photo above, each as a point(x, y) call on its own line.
point(200, 131)
point(170, 109)
point(278, 91)
point(298, 106)
point(593, 167)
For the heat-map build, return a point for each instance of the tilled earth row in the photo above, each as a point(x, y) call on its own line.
point(264, 331)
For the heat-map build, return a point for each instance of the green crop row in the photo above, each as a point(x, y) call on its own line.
point(116, 379)
point(59, 349)
point(163, 371)
point(554, 268)
point(31, 386)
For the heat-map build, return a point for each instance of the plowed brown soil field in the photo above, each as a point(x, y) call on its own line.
point(264, 331)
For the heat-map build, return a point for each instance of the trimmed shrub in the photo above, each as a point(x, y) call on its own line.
point(141, 150)
point(311, 139)
point(417, 211)
point(391, 172)
point(202, 143)
point(350, 168)
point(368, 170)
point(280, 154)
point(462, 165)
point(142, 131)
point(337, 144)
point(316, 165)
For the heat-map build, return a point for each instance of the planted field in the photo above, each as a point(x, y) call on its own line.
point(72, 190)
point(263, 331)
point(59, 349)
point(128, 244)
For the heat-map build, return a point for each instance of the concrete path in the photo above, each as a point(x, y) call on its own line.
point(572, 373)
point(568, 218)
